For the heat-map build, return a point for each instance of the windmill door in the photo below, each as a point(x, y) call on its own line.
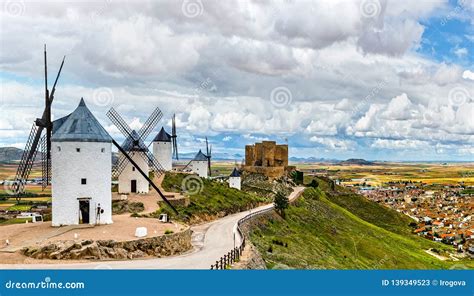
point(84, 209)
point(133, 186)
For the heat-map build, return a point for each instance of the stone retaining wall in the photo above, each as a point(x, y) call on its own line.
point(161, 246)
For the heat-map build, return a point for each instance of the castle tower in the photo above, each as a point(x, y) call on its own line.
point(130, 180)
point(163, 150)
point(199, 165)
point(81, 156)
point(234, 179)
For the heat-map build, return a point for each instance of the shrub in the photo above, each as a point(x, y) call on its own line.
point(168, 231)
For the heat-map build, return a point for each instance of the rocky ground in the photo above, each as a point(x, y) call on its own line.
point(161, 246)
point(56, 239)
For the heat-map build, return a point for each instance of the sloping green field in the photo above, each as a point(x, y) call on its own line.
point(208, 198)
point(332, 231)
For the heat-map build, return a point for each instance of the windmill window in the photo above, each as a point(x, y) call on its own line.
point(59, 148)
point(83, 181)
point(133, 168)
point(102, 150)
point(78, 149)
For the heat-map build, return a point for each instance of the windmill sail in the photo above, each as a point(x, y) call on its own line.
point(208, 156)
point(134, 141)
point(35, 141)
point(173, 137)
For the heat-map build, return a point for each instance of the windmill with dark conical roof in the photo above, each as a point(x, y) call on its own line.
point(130, 178)
point(163, 150)
point(234, 179)
point(81, 155)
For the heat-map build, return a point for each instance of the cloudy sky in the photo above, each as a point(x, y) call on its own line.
point(385, 80)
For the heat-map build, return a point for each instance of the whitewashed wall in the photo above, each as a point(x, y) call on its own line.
point(93, 162)
point(128, 174)
point(200, 168)
point(234, 182)
point(163, 152)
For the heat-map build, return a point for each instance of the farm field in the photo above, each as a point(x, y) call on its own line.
point(430, 173)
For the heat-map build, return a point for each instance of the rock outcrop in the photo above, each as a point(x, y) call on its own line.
point(160, 246)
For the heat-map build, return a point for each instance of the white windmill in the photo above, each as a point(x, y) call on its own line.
point(201, 163)
point(81, 157)
point(235, 180)
point(130, 178)
point(165, 147)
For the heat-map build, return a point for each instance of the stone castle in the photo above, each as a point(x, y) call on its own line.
point(267, 158)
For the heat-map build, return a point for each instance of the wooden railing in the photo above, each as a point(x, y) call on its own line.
point(234, 255)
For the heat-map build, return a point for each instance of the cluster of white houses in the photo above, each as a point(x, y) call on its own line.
point(82, 169)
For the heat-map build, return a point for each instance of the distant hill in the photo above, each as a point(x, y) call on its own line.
point(10, 154)
point(357, 161)
point(312, 159)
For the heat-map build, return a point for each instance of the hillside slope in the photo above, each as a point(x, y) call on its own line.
point(318, 233)
point(208, 199)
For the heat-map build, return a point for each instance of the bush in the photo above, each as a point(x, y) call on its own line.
point(270, 249)
point(168, 231)
point(280, 243)
point(314, 183)
point(281, 203)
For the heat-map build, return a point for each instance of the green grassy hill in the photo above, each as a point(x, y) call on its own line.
point(215, 199)
point(336, 230)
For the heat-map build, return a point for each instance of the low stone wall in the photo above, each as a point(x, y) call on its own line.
point(161, 246)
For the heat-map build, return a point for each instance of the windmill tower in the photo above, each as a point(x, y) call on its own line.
point(129, 173)
point(37, 140)
point(130, 180)
point(199, 165)
point(163, 150)
point(234, 179)
point(81, 170)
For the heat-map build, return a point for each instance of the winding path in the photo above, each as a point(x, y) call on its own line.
point(210, 240)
